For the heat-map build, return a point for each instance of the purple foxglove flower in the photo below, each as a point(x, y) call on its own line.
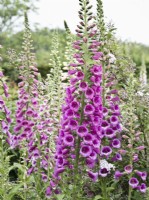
point(52, 184)
point(116, 143)
point(96, 69)
point(97, 101)
point(135, 158)
point(80, 75)
point(73, 124)
point(58, 171)
point(30, 170)
point(96, 120)
point(27, 129)
point(74, 105)
point(85, 150)
point(114, 120)
point(48, 192)
point(140, 148)
point(143, 188)
point(104, 125)
point(90, 163)
point(17, 129)
point(34, 101)
point(93, 175)
point(25, 123)
point(93, 155)
point(73, 65)
point(143, 175)
point(83, 86)
point(115, 99)
point(106, 151)
point(44, 164)
point(60, 162)
point(1, 74)
point(71, 72)
point(29, 112)
point(117, 175)
point(89, 93)
point(69, 113)
point(128, 169)
point(68, 140)
point(5, 127)
point(96, 143)
point(118, 157)
point(109, 133)
point(97, 56)
point(77, 55)
point(88, 139)
point(89, 109)
point(96, 80)
point(133, 182)
point(5, 89)
point(73, 81)
point(103, 172)
point(44, 177)
point(105, 111)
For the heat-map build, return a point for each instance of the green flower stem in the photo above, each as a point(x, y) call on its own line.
point(131, 92)
point(104, 189)
point(86, 55)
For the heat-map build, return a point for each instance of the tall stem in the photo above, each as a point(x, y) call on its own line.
point(78, 142)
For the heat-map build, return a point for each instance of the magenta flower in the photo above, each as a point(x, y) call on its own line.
point(80, 75)
point(83, 86)
point(97, 101)
point(106, 151)
point(114, 120)
point(117, 175)
point(48, 192)
point(93, 175)
point(103, 172)
point(82, 130)
point(85, 150)
point(89, 93)
point(89, 109)
point(143, 188)
point(68, 140)
point(96, 69)
point(88, 139)
point(133, 182)
point(104, 125)
point(116, 143)
point(128, 169)
point(143, 175)
point(1, 74)
point(74, 105)
point(109, 133)
point(73, 124)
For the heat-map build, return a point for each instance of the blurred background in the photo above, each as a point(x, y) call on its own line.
point(130, 17)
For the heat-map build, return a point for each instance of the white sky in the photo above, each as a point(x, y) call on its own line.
point(131, 17)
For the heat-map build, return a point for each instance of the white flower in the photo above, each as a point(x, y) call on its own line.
point(112, 58)
point(105, 164)
point(139, 93)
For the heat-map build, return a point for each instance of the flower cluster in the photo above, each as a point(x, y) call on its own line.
point(90, 124)
point(32, 129)
point(5, 112)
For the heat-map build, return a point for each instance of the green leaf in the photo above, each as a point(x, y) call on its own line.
point(17, 165)
point(97, 197)
point(60, 196)
point(15, 190)
point(2, 115)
